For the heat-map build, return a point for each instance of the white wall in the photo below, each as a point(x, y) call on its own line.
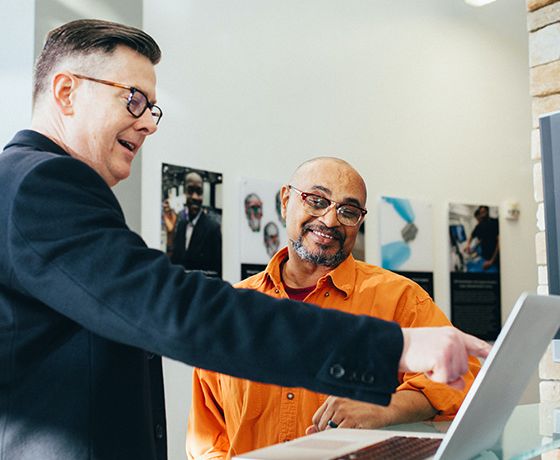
point(16, 64)
point(427, 99)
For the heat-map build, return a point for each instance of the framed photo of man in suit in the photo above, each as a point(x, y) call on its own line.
point(191, 216)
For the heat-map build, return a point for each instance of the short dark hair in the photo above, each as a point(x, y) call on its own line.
point(480, 208)
point(88, 36)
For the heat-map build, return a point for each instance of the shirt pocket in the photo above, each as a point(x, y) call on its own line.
point(243, 399)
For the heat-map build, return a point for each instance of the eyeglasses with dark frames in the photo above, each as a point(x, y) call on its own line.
point(137, 101)
point(317, 206)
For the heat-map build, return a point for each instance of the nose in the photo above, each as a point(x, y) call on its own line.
point(146, 123)
point(330, 219)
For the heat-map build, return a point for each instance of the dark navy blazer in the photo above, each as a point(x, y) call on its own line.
point(205, 247)
point(85, 306)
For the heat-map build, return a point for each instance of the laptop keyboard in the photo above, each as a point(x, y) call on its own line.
point(397, 448)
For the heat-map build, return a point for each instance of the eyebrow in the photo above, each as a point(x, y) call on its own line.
point(346, 200)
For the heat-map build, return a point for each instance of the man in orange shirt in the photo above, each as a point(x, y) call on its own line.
point(324, 205)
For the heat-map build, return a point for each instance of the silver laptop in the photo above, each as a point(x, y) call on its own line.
point(481, 419)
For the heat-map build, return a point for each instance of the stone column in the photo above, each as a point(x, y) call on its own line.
point(543, 23)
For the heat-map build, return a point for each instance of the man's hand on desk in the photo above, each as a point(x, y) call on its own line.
point(406, 407)
point(441, 353)
point(347, 413)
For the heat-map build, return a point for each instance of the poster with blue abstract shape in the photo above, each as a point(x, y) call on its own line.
point(406, 240)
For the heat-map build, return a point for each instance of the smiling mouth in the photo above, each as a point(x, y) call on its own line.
point(328, 234)
point(323, 235)
point(128, 145)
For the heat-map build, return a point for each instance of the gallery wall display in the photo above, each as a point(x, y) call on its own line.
point(262, 228)
point(406, 240)
point(474, 252)
point(191, 217)
point(359, 249)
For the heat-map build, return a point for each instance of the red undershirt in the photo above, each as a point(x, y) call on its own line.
point(298, 293)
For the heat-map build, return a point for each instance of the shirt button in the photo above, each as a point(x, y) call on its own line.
point(337, 371)
point(327, 294)
point(290, 396)
point(159, 431)
point(276, 291)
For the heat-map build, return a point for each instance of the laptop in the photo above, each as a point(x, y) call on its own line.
point(481, 418)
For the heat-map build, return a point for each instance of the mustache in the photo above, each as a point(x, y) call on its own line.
point(333, 232)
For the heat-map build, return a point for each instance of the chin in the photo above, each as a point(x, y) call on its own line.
point(121, 174)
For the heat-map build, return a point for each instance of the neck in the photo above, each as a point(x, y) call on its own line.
point(47, 128)
point(298, 273)
point(60, 134)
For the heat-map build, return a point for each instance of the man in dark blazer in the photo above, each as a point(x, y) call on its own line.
point(86, 307)
point(197, 244)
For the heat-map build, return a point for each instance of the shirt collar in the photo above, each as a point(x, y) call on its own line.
point(342, 277)
point(195, 220)
point(38, 141)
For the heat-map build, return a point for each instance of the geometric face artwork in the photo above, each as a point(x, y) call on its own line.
point(262, 229)
point(253, 211)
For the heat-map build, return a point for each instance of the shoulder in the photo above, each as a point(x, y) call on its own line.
point(208, 222)
point(253, 282)
point(381, 275)
point(26, 163)
point(40, 176)
point(386, 281)
point(59, 189)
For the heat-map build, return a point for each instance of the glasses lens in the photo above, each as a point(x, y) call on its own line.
point(316, 204)
point(348, 215)
point(156, 113)
point(137, 102)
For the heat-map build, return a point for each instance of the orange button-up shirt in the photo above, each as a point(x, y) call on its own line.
point(230, 416)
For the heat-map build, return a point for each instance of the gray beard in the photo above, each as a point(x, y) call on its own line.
point(318, 259)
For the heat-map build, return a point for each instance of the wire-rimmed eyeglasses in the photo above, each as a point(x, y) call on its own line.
point(137, 101)
point(317, 206)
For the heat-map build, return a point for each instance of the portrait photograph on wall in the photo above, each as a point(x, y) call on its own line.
point(191, 218)
point(263, 230)
point(474, 263)
point(406, 239)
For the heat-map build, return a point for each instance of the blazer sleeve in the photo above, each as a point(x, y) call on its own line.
point(70, 248)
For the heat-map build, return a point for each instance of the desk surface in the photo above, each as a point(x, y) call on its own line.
point(520, 439)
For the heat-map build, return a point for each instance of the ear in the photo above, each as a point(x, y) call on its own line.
point(63, 87)
point(284, 197)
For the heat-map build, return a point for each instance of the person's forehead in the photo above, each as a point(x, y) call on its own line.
point(336, 180)
point(194, 181)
